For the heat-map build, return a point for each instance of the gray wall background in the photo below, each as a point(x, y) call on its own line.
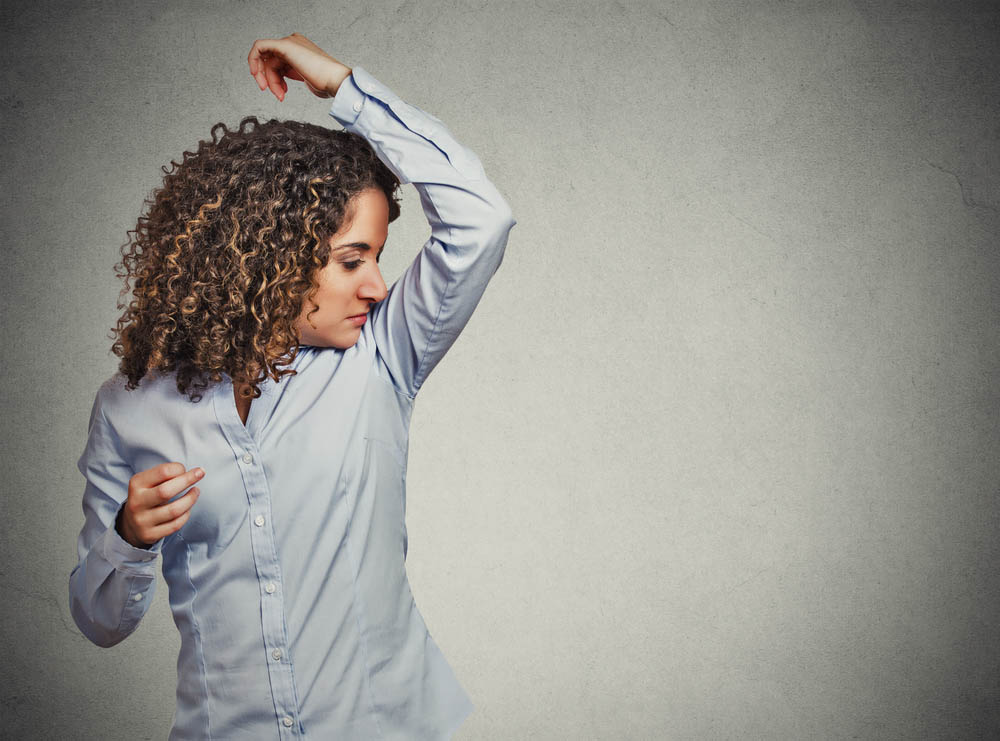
point(717, 457)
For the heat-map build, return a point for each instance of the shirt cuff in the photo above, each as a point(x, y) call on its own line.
point(349, 100)
point(126, 557)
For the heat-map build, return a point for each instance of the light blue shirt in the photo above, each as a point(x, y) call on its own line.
point(288, 582)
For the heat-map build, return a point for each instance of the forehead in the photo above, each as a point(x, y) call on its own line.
point(367, 219)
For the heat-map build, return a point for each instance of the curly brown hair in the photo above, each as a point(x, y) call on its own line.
point(228, 253)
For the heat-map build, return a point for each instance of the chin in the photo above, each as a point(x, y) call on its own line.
point(344, 344)
point(341, 340)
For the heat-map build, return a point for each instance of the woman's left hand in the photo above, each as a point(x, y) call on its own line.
point(295, 57)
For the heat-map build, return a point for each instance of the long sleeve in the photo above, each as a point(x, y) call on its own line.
point(112, 585)
point(428, 306)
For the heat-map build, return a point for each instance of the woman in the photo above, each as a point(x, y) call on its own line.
point(264, 359)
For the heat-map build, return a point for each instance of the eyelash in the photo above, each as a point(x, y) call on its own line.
point(355, 264)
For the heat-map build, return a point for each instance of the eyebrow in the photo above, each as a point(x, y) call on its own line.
point(364, 246)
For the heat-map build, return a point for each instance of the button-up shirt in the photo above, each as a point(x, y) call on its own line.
point(287, 582)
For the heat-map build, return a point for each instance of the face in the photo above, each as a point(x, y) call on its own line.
point(351, 281)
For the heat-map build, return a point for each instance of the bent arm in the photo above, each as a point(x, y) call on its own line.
point(112, 585)
point(428, 306)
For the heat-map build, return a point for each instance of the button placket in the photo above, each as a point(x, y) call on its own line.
point(249, 461)
point(269, 575)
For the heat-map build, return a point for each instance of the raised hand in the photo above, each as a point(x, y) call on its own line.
point(297, 58)
point(147, 514)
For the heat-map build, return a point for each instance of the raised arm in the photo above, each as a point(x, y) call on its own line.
point(426, 309)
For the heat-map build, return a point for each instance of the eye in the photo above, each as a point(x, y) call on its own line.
point(352, 264)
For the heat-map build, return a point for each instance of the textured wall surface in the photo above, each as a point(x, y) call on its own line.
point(718, 456)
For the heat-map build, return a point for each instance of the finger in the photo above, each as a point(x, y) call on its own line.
point(157, 475)
point(172, 487)
point(274, 80)
point(168, 528)
point(258, 50)
point(253, 59)
point(262, 52)
point(171, 510)
point(286, 72)
point(255, 71)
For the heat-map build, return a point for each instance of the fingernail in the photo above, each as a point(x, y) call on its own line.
point(199, 472)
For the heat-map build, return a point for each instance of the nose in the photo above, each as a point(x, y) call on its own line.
point(373, 287)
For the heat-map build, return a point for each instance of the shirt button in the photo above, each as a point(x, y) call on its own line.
point(270, 587)
point(259, 520)
point(136, 597)
point(287, 721)
point(276, 654)
point(247, 458)
point(357, 106)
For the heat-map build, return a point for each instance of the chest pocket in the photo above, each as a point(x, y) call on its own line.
point(381, 497)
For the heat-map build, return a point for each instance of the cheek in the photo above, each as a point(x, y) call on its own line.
point(325, 294)
point(337, 293)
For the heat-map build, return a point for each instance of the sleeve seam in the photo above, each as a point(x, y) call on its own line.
point(417, 383)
